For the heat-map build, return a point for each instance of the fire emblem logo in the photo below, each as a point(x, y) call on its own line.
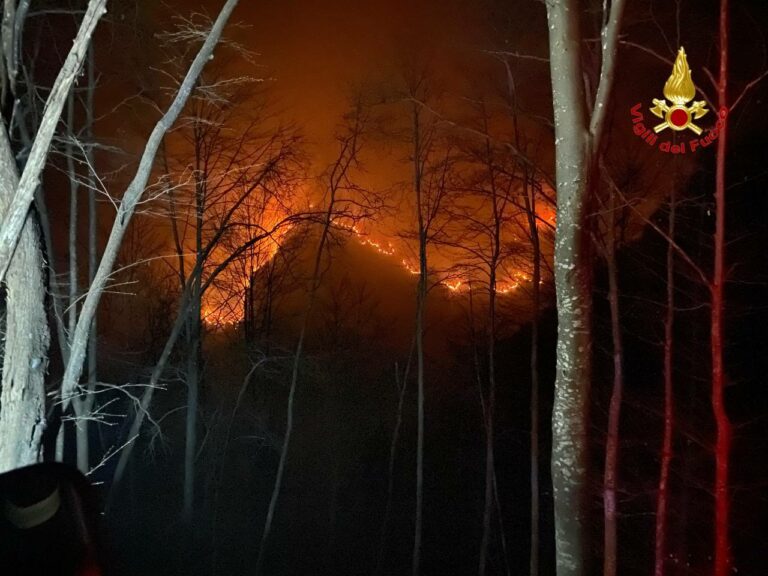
point(679, 90)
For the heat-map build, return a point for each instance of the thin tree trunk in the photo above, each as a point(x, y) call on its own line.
point(391, 465)
point(193, 388)
point(154, 379)
point(478, 378)
point(723, 443)
point(669, 400)
point(490, 468)
point(421, 297)
point(292, 396)
point(92, 227)
point(193, 339)
point(530, 207)
point(79, 402)
point(610, 475)
point(340, 169)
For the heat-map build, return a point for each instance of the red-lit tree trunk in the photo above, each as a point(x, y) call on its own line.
point(662, 501)
point(610, 473)
point(723, 444)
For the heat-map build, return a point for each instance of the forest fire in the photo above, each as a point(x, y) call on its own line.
point(384, 287)
point(222, 308)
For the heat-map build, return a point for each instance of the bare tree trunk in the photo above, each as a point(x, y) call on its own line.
point(724, 434)
point(79, 403)
point(610, 474)
point(162, 362)
point(25, 353)
point(481, 395)
point(193, 388)
point(402, 388)
point(669, 399)
point(92, 227)
point(193, 339)
point(292, 394)
point(490, 470)
point(573, 285)
point(421, 298)
point(490, 408)
point(578, 137)
point(530, 208)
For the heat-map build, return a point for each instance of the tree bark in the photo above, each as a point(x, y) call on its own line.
point(402, 388)
point(724, 433)
point(573, 285)
point(25, 346)
point(490, 468)
point(421, 298)
point(611, 471)
point(669, 401)
point(530, 208)
point(578, 137)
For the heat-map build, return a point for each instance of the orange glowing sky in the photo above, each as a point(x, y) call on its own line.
point(315, 54)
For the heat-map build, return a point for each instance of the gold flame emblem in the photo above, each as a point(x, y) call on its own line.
point(679, 90)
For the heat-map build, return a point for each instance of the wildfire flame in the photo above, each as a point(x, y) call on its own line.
point(679, 88)
point(220, 310)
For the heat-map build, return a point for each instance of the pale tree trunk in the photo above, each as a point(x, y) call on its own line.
point(15, 215)
point(611, 471)
point(573, 285)
point(724, 434)
point(578, 137)
point(26, 339)
point(92, 235)
point(662, 500)
point(82, 404)
point(79, 403)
